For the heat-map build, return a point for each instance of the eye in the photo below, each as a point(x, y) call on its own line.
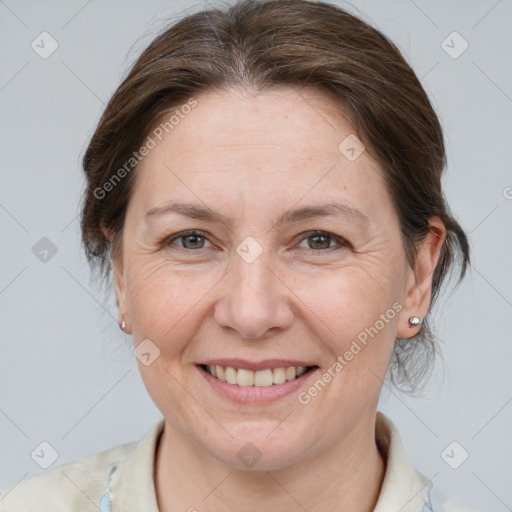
point(190, 240)
point(320, 241)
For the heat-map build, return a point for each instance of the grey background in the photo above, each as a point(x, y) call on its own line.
point(67, 373)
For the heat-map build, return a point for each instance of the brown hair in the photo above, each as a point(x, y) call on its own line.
point(262, 44)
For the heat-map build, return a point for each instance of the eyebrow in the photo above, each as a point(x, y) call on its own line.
point(196, 211)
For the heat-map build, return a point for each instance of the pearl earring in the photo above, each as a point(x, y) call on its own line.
point(123, 325)
point(415, 320)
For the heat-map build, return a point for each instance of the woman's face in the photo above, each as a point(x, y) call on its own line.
point(254, 287)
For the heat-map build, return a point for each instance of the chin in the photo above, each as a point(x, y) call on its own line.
point(258, 449)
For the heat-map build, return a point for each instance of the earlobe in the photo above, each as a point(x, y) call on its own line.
point(119, 287)
point(123, 325)
point(419, 284)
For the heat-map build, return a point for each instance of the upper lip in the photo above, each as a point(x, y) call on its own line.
point(256, 365)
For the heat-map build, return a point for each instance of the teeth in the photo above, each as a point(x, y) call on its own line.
point(263, 378)
point(279, 375)
point(290, 373)
point(260, 378)
point(221, 372)
point(231, 375)
point(300, 370)
point(244, 377)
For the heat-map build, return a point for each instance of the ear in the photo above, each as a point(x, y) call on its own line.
point(419, 283)
point(119, 286)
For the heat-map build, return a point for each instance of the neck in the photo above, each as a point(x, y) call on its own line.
point(347, 477)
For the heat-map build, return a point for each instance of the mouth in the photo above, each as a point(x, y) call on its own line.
point(249, 381)
point(266, 377)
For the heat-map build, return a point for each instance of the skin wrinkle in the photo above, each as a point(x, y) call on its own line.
point(285, 304)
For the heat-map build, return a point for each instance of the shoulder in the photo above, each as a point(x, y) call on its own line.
point(77, 485)
point(402, 482)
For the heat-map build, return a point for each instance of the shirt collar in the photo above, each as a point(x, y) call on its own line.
point(132, 486)
point(403, 488)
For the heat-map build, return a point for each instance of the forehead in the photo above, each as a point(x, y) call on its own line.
point(278, 119)
point(247, 150)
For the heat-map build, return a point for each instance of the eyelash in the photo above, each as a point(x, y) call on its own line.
point(304, 236)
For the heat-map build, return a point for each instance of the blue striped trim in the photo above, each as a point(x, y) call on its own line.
point(105, 503)
point(105, 499)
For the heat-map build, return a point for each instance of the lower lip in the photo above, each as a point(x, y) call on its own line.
point(256, 394)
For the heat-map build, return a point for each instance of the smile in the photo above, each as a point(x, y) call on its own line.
point(261, 378)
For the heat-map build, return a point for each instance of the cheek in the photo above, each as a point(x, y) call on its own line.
point(163, 302)
point(356, 314)
point(348, 301)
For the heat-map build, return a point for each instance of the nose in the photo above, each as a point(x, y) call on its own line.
point(255, 301)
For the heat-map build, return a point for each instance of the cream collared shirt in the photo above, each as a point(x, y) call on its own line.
point(121, 480)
